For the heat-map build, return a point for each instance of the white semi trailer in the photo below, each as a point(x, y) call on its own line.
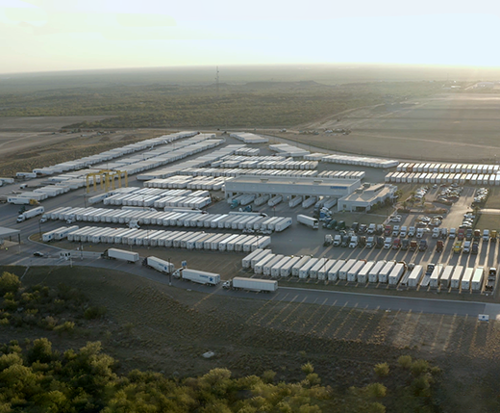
point(308, 221)
point(200, 277)
point(251, 284)
point(116, 254)
point(30, 214)
point(159, 265)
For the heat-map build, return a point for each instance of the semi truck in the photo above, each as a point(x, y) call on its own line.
point(308, 221)
point(200, 277)
point(251, 284)
point(116, 254)
point(30, 214)
point(159, 265)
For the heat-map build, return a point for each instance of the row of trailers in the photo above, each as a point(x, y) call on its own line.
point(199, 240)
point(444, 178)
point(448, 168)
point(189, 219)
point(264, 262)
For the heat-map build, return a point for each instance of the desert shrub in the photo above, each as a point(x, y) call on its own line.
point(419, 367)
point(94, 312)
point(67, 326)
point(377, 390)
point(405, 361)
point(307, 368)
point(9, 283)
point(381, 369)
point(268, 376)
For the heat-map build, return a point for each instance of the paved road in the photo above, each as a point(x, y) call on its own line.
point(287, 294)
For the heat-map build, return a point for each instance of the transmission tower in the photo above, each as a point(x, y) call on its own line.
point(217, 81)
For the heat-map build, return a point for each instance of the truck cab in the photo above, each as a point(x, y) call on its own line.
point(486, 235)
point(396, 244)
point(422, 246)
point(413, 245)
point(436, 232)
point(371, 229)
point(453, 233)
point(395, 231)
point(388, 230)
point(457, 246)
point(439, 246)
point(403, 232)
point(362, 241)
point(420, 233)
point(405, 244)
point(475, 247)
point(411, 232)
point(387, 243)
point(467, 246)
point(337, 240)
point(370, 242)
point(492, 278)
point(493, 235)
point(354, 242)
point(380, 242)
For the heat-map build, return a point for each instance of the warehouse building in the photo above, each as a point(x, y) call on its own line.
point(271, 185)
point(363, 199)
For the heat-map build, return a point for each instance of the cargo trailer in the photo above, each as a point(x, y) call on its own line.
point(159, 265)
point(445, 280)
point(396, 273)
point(259, 266)
point(304, 271)
point(333, 273)
point(465, 283)
point(362, 276)
point(268, 265)
point(308, 221)
point(117, 254)
point(383, 275)
point(323, 271)
point(345, 269)
point(415, 276)
point(200, 277)
point(352, 274)
point(259, 257)
point(251, 284)
point(456, 276)
point(478, 279)
point(300, 263)
point(435, 276)
point(374, 272)
point(276, 269)
point(245, 262)
point(313, 272)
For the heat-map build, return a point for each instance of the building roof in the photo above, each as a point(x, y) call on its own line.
point(7, 232)
point(370, 194)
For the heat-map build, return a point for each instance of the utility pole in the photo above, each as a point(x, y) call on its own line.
point(217, 81)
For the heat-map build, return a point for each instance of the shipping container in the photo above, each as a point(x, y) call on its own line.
point(478, 279)
point(383, 275)
point(457, 276)
point(466, 279)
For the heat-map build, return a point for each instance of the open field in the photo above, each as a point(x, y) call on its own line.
point(459, 127)
point(28, 143)
point(151, 325)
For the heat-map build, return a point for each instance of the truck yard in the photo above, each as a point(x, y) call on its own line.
point(291, 226)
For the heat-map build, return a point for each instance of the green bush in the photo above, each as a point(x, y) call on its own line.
point(381, 369)
point(405, 361)
point(92, 313)
point(67, 326)
point(9, 283)
point(419, 367)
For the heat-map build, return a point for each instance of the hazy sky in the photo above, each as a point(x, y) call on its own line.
point(41, 35)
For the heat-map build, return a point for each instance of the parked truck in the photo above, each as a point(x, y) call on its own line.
point(199, 277)
point(492, 277)
point(30, 214)
point(116, 254)
point(159, 265)
point(308, 221)
point(251, 284)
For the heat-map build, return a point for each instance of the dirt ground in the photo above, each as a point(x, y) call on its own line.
point(416, 130)
point(151, 325)
point(28, 143)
